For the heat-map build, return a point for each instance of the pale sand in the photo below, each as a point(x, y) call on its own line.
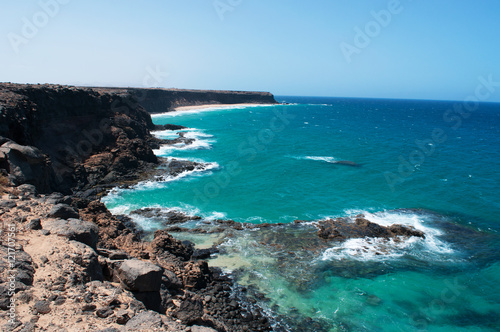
point(197, 107)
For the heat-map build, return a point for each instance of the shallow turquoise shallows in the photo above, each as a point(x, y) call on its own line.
point(433, 165)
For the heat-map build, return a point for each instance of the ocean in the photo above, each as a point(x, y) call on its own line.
point(433, 165)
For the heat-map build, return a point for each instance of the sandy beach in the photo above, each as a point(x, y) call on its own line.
point(197, 107)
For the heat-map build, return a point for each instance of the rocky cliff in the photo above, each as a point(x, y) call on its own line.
point(62, 138)
point(165, 100)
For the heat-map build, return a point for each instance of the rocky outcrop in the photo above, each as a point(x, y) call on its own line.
point(62, 138)
point(345, 228)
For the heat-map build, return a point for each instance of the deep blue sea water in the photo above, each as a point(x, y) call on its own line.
point(430, 164)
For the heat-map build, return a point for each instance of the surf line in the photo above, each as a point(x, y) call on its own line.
point(247, 151)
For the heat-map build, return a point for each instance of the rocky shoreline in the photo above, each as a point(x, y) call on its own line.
point(76, 266)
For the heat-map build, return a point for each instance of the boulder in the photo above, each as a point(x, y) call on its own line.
point(75, 229)
point(86, 257)
point(140, 276)
point(145, 321)
point(63, 211)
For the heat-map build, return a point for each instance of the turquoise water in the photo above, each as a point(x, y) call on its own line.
point(278, 164)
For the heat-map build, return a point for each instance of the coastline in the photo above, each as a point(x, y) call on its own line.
point(79, 265)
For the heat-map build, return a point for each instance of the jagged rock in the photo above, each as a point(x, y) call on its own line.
point(345, 228)
point(28, 190)
point(122, 317)
point(27, 164)
point(63, 211)
point(140, 276)
point(196, 274)
point(164, 242)
point(86, 257)
point(7, 204)
point(191, 310)
point(74, 229)
point(204, 253)
point(145, 321)
point(166, 217)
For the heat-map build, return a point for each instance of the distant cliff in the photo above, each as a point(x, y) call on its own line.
point(165, 100)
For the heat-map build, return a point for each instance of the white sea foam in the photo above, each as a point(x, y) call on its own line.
point(317, 158)
point(368, 249)
point(167, 134)
point(202, 141)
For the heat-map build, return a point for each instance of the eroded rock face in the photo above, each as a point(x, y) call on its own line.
point(66, 137)
point(346, 228)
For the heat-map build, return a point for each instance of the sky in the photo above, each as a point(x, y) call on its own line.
point(420, 49)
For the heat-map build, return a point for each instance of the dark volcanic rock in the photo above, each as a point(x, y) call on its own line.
point(169, 127)
point(175, 167)
point(190, 310)
point(145, 321)
point(345, 228)
point(166, 243)
point(166, 217)
point(26, 164)
point(63, 211)
point(140, 276)
point(75, 229)
point(62, 138)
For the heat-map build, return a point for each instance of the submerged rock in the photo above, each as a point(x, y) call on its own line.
point(166, 217)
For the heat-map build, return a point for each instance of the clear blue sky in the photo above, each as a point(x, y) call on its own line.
point(429, 49)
